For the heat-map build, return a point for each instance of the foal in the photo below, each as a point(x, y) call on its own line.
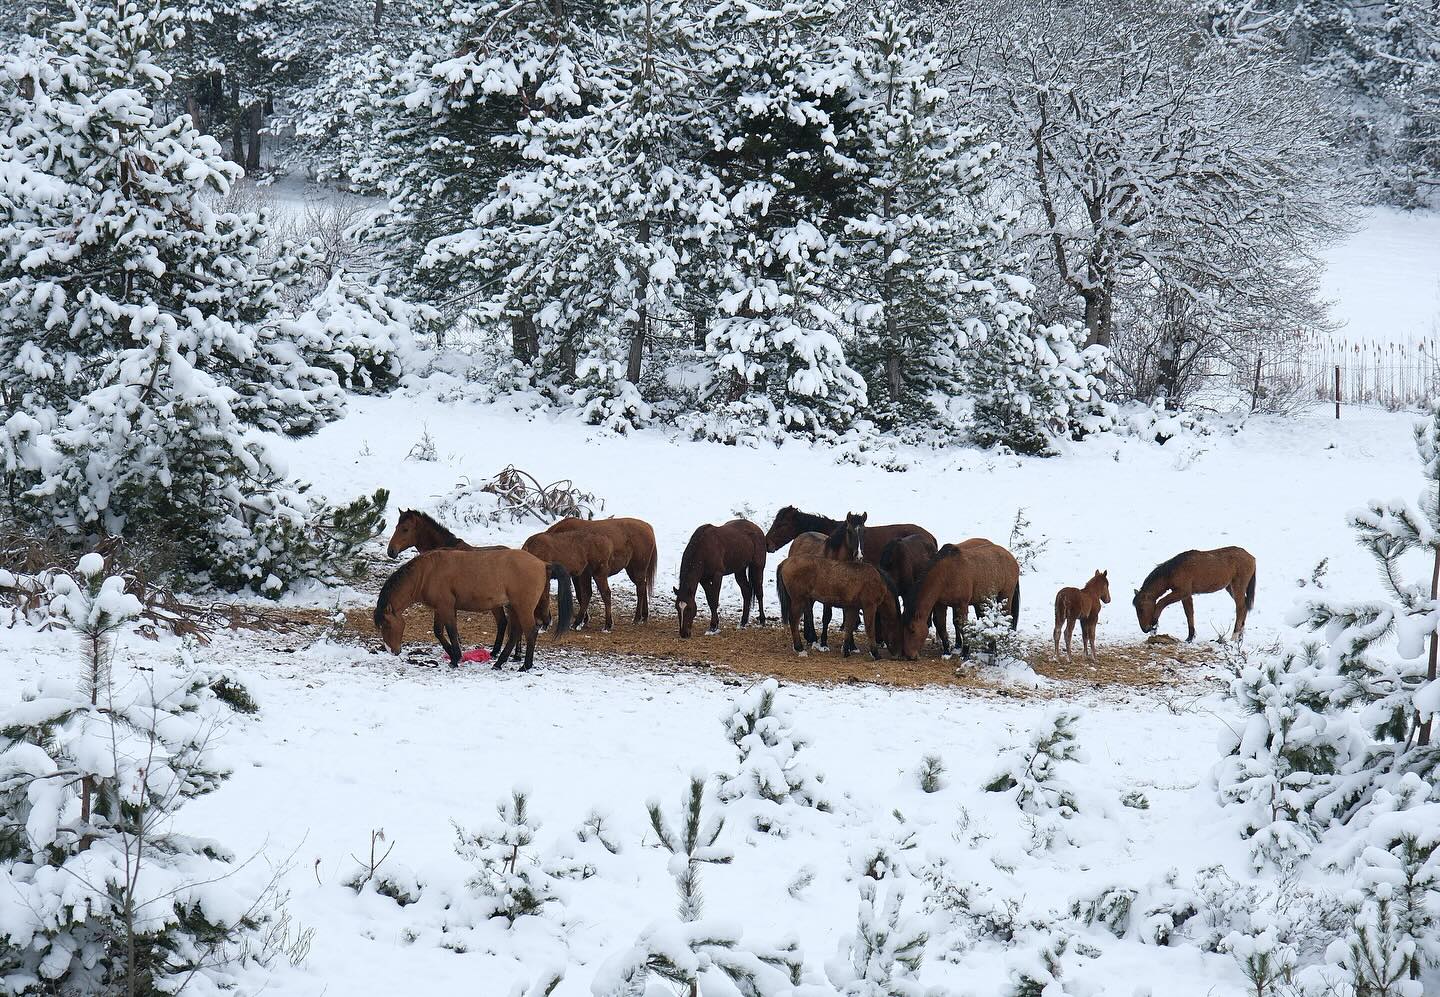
point(1082, 605)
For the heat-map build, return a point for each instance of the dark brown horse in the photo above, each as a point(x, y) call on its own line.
point(856, 587)
point(1081, 605)
point(906, 560)
point(586, 554)
point(790, 522)
point(737, 548)
point(633, 551)
point(423, 532)
point(974, 573)
point(1193, 573)
point(452, 581)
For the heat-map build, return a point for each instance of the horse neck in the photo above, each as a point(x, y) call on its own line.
point(433, 536)
point(807, 523)
point(927, 593)
point(406, 592)
point(690, 572)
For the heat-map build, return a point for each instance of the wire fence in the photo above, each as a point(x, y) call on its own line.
point(1364, 372)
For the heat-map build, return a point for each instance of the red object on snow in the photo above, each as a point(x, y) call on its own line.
point(476, 654)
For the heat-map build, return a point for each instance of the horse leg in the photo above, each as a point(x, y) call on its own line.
point(872, 617)
point(1189, 604)
point(811, 638)
point(847, 630)
point(512, 639)
point(1069, 633)
point(1059, 624)
point(440, 635)
point(744, 583)
point(1237, 592)
point(962, 617)
point(825, 629)
point(795, 631)
point(1088, 628)
point(454, 633)
point(712, 596)
point(582, 601)
point(500, 620)
point(602, 584)
point(941, 634)
point(642, 602)
point(757, 585)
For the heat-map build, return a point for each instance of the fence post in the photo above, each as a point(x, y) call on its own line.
point(1337, 391)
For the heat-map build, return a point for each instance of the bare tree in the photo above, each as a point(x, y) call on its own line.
point(1172, 193)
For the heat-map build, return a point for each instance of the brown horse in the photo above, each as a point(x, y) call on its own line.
point(906, 560)
point(790, 523)
point(586, 555)
point(451, 581)
point(633, 551)
point(973, 573)
point(855, 587)
point(737, 548)
point(843, 543)
point(420, 530)
point(1081, 605)
point(1193, 573)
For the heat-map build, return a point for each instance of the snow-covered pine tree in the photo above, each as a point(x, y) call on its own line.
point(591, 235)
point(923, 244)
point(783, 145)
point(140, 327)
point(513, 877)
point(1030, 768)
point(687, 948)
point(1030, 382)
point(448, 133)
point(883, 957)
point(768, 745)
point(97, 894)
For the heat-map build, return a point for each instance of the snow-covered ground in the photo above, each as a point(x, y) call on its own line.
point(349, 740)
point(1385, 278)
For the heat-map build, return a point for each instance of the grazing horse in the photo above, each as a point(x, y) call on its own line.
point(451, 581)
point(1081, 605)
point(1193, 573)
point(737, 548)
point(420, 530)
point(633, 551)
point(855, 587)
point(973, 573)
point(906, 560)
point(586, 555)
point(790, 523)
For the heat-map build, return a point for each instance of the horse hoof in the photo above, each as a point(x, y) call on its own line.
point(803, 654)
point(712, 633)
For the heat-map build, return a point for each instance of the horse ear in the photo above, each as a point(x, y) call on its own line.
point(677, 592)
point(864, 516)
point(1105, 575)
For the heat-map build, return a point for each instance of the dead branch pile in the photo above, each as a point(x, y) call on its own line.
point(520, 494)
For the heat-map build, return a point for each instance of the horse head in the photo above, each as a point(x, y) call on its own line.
point(406, 533)
point(783, 530)
point(685, 613)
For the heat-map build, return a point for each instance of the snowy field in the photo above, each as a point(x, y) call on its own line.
point(1385, 279)
point(349, 741)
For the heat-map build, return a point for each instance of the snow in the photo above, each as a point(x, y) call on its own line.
point(349, 740)
point(1385, 278)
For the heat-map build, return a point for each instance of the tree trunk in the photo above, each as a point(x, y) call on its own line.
point(254, 121)
point(1424, 738)
point(642, 318)
point(698, 326)
point(892, 376)
point(1099, 315)
point(237, 126)
point(524, 337)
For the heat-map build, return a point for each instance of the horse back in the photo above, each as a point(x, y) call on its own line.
point(876, 537)
point(1204, 571)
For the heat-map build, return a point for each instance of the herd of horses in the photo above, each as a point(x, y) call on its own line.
point(893, 581)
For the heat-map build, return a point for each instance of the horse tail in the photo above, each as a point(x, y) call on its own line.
point(1250, 592)
point(1059, 607)
point(1015, 607)
point(784, 597)
point(564, 598)
point(652, 570)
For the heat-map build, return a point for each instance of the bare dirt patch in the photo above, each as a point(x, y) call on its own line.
point(765, 651)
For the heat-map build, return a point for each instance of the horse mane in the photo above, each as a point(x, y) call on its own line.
point(448, 538)
point(889, 553)
point(836, 539)
point(387, 591)
point(892, 588)
point(808, 522)
point(691, 554)
point(1164, 569)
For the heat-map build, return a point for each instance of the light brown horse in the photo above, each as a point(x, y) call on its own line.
point(586, 554)
point(452, 581)
point(737, 548)
point(423, 532)
point(1081, 605)
point(1197, 572)
point(633, 551)
point(973, 573)
point(854, 586)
